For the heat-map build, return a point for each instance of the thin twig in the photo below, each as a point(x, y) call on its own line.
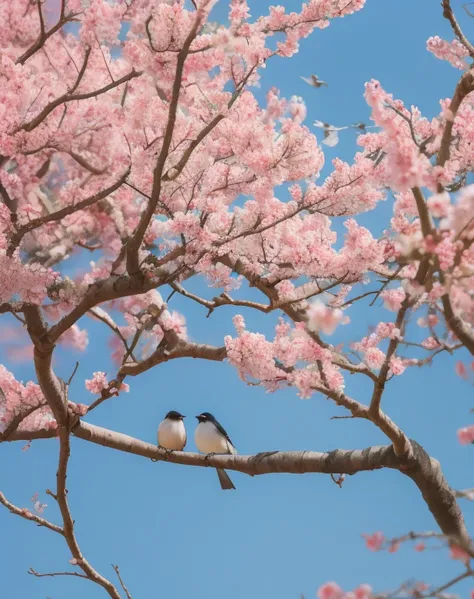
point(127, 592)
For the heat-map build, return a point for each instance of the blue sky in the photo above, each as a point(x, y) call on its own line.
point(170, 529)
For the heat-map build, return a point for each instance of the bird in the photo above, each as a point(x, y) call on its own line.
point(211, 438)
point(314, 81)
point(331, 138)
point(171, 432)
point(362, 126)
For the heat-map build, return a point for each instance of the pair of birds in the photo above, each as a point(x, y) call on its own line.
point(331, 137)
point(210, 438)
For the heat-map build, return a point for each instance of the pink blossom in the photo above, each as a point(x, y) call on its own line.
point(375, 541)
point(397, 365)
point(363, 591)
point(252, 354)
point(454, 52)
point(322, 318)
point(39, 507)
point(174, 322)
point(75, 337)
point(461, 370)
point(239, 324)
point(393, 547)
point(459, 554)
point(79, 408)
point(439, 205)
point(430, 343)
point(419, 546)
point(97, 383)
point(374, 357)
point(330, 590)
point(466, 435)
point(393, 298)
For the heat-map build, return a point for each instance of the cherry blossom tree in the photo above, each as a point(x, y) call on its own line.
point(159, 161)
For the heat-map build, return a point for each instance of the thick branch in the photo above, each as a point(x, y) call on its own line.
point(114, 287)
point(462, 330)
point(43, 353)
point(69, 534)
point(183, 349)
point(421, 468)
point(463, 88)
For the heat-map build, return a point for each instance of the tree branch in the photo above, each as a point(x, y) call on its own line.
point(45, 35)
point(69, 534)
point(127, 592)
point(296, 314)
point(422, 469)
point(449, 15)
point(463, 88)
point(182, 349)
point(43, 353)
point(70, 97)
point(16, 421)
point(38, 575)
point(135, 242)
point(425, 471)
point(60, 214)
point(24, 513)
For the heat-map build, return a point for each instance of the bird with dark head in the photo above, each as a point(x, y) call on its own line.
point(171, 432)
point(211, 438)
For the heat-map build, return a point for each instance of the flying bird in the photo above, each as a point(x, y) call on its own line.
point(362, 126)
point(211, 438)
point(171, 432)
point(331, 137)
point(314, 81)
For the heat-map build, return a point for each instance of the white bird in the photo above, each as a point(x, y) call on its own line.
point(331, 137)
point(171, 432)
point(211, 438)
point(314, 81)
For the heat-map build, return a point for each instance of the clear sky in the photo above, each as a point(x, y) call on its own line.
point(170, 529)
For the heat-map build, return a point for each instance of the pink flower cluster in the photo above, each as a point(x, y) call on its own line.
point(454, 52)
point(331, 590)
point(325, 319)
point(97, 383)
point(25, 401)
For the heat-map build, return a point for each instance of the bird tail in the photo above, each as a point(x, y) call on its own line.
point(224, 480)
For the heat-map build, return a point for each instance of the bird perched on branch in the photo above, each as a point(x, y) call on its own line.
point(314, 81)
point(211, 438)
point(171, 432)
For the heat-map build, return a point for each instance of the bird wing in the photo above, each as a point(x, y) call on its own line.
point(320, 124)
point(307, 80)
point(331, 138)
point(222, 430)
